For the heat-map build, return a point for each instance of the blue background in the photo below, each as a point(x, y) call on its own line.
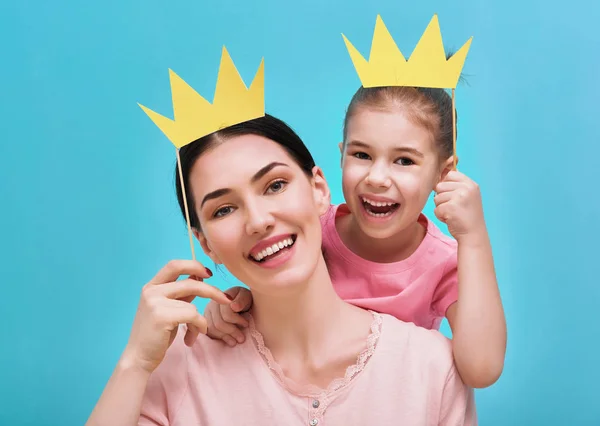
point(88, 211)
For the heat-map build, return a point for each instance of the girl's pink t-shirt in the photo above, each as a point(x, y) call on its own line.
point(418, 289)
point(405, 376)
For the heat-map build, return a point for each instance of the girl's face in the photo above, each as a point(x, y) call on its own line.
point(391, 165)
point(259, 212)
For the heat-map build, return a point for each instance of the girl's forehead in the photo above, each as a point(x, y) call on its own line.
point(386, 127)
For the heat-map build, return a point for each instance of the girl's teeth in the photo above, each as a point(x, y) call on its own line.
point(377, 203)
point(379, 214)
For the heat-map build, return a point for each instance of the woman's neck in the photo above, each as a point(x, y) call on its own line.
point(312, 333)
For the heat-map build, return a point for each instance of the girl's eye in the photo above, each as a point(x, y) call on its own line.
point(223, 211)
point(361, 155)
point(405, 161)
point(277, 186)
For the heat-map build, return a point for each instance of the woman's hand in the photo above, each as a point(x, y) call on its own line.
point(165, 304)
point(224, 321)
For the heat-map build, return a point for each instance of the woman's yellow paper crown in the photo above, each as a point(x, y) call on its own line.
point(426, 67)
point(195, 117)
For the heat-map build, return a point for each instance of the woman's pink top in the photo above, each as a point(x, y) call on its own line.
point(405, 376)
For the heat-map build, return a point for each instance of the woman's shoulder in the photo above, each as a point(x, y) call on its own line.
point(416, 342)
point(177, 379)
point(204, 353)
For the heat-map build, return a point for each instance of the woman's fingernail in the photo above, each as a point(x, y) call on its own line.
point(228, 296)
point(209, 272)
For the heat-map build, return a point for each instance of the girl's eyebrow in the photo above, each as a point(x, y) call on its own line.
point(413, 151)
point(358, 143)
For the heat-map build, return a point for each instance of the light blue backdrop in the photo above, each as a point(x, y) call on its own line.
point(88, 212)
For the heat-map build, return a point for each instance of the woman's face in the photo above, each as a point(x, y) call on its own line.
point(259, 212)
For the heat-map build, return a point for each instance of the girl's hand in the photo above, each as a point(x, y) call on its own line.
point(458, 205)
point(165, 304)
point(224, 321)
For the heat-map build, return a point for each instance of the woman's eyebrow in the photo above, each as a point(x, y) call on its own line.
point(257, 176)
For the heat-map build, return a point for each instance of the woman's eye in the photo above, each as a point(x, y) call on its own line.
point(277, 186)
point(223, 211)
point(361, 155)
point(405, 161)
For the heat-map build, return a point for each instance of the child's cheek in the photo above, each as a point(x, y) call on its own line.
point(411, 187)
point(352, 176)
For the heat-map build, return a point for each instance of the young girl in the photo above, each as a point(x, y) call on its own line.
point(383, 253)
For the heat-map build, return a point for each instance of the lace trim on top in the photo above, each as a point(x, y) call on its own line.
point(324, 396)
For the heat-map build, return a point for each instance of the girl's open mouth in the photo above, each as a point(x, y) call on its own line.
point(379, 209)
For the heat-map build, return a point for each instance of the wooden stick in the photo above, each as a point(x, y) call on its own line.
point(454, 128)
point(187, 213)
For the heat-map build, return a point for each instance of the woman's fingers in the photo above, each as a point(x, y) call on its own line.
point(175, 268)
point(186, 288)
point(178, 312)
point(191, 335)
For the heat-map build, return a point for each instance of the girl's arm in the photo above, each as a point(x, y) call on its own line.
point(477, 318)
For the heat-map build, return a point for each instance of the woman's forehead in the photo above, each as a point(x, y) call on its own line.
point(236, 160)
point(243, 150)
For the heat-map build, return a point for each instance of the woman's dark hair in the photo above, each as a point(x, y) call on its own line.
point(430, 108)
point(268, 126)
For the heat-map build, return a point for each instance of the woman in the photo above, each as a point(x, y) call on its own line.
point(255, 198)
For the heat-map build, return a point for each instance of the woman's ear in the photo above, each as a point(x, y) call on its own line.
point(206, 246)
point(321, 193)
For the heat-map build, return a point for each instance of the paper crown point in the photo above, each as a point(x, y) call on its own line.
point(195, 117)
point(426, 67)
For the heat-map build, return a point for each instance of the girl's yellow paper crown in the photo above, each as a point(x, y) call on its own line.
point(426, 67)
point(195, 117)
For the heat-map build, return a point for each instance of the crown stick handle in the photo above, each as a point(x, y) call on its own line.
point(453, 129)
point(187, 212)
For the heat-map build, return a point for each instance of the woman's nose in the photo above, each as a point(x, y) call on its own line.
point(259, 219)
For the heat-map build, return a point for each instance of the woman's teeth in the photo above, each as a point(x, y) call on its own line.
point(273, 249)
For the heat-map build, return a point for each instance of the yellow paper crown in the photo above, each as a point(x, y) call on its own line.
point(195, 117)
point(426, 67)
